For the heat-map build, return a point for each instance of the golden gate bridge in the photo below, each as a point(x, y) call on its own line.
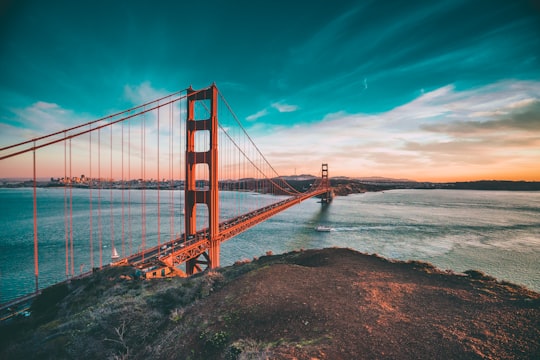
point(128, 159)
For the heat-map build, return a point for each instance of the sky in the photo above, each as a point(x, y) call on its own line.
point(433, 90)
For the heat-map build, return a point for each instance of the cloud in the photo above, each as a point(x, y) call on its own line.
point(508, 118)
point(257, 115)
point(142, 93)
point(36, 120)
point(147, 132)
point(444, 133)
point(283, 108)
point(44, 117)
point(41, 117)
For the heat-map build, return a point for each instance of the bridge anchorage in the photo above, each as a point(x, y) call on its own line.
point(199, 249)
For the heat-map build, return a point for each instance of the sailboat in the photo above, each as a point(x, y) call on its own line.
point(114, 255)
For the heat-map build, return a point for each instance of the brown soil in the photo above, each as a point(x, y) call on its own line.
point(340, 304)
point(315, 304)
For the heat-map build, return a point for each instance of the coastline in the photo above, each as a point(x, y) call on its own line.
point(332, 303)
point(341, 186)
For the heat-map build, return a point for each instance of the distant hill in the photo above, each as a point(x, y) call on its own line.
point(343, 185)
point(299, 177)
point(380, 183)
point(496, 185)
point(384, 179)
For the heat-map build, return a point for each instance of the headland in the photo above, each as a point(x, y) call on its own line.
point(315, 304)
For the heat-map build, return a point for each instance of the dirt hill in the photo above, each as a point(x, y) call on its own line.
point(315, 304)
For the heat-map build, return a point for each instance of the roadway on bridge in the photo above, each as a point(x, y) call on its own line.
point(186, 247)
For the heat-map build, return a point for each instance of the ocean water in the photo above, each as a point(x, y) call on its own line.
point(496, 232)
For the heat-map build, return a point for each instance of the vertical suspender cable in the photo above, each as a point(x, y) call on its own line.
point(36, 262)
point(111, 192)
point(143, 186)
point(100, 228)
point(171, 172)
point(181, 152)
point(237, 155)
point(129, 190)
point(90, 185)
point(71, 210)
point(244, 175)
point(205, 170)
point(158, 190)
point(66, 229)
point(123, 189)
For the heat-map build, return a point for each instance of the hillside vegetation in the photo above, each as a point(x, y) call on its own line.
point(314, 304)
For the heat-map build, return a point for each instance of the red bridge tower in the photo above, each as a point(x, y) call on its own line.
point(210, 195)
point(325, 183)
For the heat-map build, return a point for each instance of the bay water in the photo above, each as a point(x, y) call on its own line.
point(496, 232)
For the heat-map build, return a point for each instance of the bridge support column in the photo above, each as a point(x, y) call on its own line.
point(209, 195)
point(328, 196)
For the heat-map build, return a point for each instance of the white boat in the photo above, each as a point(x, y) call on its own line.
point(323, 228)
point(115, 255)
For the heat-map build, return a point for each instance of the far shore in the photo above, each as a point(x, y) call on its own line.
point(341, 186)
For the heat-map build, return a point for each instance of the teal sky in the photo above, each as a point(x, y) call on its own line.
point(427, 90)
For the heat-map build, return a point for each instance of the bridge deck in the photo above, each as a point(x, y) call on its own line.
point(182, 248)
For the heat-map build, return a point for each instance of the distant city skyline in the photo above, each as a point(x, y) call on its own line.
point(439, 91)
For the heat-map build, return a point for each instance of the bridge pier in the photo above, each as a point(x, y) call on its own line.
point(209, 196)
point(327, 197)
